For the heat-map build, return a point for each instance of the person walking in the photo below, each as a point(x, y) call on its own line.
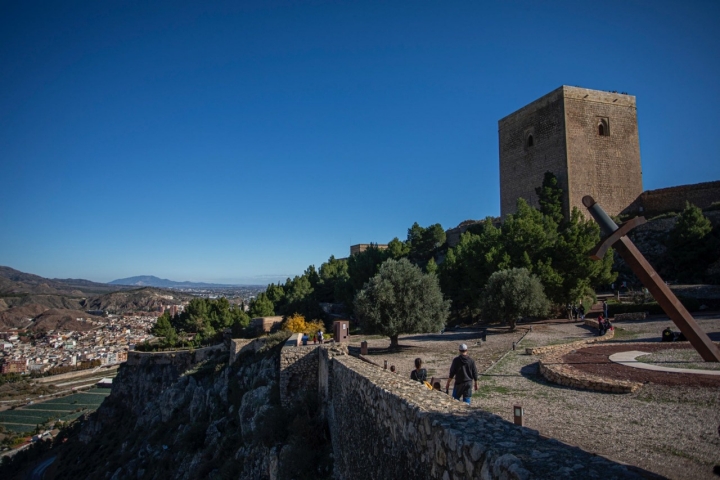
point(464, 372)
point(419, 374)
point(581, 311)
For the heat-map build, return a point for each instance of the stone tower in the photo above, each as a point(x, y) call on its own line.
point(587, 138)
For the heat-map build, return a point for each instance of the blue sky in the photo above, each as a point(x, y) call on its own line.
point(241, 142)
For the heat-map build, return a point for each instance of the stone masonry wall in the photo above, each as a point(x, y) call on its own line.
point(564, 126)
point(672, 199)
point(386, 426)
point(523, 167)
point(299, 367)
point(606, 167)
point(180, 358)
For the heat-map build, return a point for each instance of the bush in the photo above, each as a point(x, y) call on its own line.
point(297, 324)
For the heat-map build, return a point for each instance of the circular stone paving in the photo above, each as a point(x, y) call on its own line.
point(595, 360)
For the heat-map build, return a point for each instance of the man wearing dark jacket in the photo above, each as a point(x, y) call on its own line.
point(464, 371)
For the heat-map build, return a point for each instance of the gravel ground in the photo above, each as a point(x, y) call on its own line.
point(671, 431)
point(676, 358)
point(438, 350)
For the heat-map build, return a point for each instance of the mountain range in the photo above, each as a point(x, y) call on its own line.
point(152, 281)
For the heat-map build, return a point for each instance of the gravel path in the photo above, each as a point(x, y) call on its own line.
point(438, 350)
point(671, 431)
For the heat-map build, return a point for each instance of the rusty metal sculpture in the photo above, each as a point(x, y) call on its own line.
point(616, 237)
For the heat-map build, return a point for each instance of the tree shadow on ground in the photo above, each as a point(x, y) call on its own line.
point(461, 334)
point(353, 350)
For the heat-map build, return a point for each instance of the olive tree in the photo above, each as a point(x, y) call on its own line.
point(513, 294)
point(400, 298)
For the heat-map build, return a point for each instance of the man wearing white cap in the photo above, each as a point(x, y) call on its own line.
point(464, 371)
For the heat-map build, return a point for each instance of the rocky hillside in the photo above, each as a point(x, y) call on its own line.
point(142, 299)
point(175, 420)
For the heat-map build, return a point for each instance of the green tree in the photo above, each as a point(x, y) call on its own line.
point(164, 329)
point(333, 276)
point(691, 246)
point(468, 266)
point(424, 243)
point(513, 294)
point(275, 293)
point(261, 306)
point(550, 198)
point(401, 299)
point(398, 249)
point(361, 268)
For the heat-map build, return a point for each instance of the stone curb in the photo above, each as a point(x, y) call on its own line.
point(570, 346)
point(553, 369)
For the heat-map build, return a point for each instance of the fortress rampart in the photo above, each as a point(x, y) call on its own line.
point(672, 199)
point(386, 426)
point(179, 358)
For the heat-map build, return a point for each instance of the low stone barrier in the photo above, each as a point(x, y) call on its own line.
point(386, 426)
point(185, 357)
point(239, 346)
point(573, 345)
point(554, 370)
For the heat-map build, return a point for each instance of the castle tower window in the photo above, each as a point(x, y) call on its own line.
point(603, 127)
point(530, 141)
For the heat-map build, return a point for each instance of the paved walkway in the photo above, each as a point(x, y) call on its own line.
point(629, 360)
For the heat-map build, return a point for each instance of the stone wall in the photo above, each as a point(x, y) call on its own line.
point(523, 167)
point(565, 141)
point(386, 426)
point(672, 199)
point(604, 166)
point(180, 358)
point(576, 344)
point(242, 345)
point(299, 366)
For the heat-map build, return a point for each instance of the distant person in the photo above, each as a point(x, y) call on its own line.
point(464, 372)
point(305, 338)
point(320, 336)
point(602, 327)
point(419, 374)
point(668, 335)
point(581, 312)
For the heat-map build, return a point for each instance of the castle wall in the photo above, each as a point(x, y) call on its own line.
point(523, 167)
point(607, 167)
point(299, 365)
point(672, 199)
point(385, 426)
point(183, 359)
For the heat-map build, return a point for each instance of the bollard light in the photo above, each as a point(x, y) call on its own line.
point(385, 367)
point(514, 345)
point(518, 415)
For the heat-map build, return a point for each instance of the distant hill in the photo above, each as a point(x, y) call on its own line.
point(152, 281)
point(16, 282)
point(141, 299)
